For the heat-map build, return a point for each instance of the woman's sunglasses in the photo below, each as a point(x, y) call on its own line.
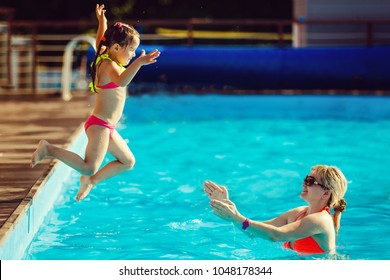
point(310, 181)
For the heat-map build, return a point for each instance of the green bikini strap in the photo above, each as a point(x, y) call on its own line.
point(98, 60)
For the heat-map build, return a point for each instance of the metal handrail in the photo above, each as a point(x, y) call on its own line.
point(67, 64)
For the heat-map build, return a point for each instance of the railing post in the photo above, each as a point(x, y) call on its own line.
point(9, 53)
point(35, 58)
point(280, 35)
point(190, 34)
point(9, 14)
point(369, 34)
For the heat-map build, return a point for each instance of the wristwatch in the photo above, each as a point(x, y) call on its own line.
point(245, 224)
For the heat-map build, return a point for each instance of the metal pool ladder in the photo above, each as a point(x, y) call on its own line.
point(66, 77)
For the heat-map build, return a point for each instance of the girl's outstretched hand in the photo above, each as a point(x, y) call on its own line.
point(100, 14)
point(145, 59)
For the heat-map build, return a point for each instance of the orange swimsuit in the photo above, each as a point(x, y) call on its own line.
point(306, 245)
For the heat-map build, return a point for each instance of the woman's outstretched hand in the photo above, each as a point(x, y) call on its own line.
point(226, 210)
point(215, 191)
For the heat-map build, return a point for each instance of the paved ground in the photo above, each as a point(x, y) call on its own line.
point(23, 122)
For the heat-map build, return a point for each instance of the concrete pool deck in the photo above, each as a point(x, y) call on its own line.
point(23, 122)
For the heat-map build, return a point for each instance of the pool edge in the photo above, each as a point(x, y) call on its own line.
point(20, 228)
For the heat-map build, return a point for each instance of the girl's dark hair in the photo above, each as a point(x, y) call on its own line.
point(118, 33)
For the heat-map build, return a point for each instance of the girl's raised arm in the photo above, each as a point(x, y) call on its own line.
point(100, 15)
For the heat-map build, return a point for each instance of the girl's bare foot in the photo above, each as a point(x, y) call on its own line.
point(86, 186)
point(40, 153)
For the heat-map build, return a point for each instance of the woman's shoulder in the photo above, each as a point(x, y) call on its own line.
point(293, 213)
point(298, 209)
point(322, 219)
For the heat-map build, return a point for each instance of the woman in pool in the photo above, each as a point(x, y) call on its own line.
point(116, 46)
point(306, 229)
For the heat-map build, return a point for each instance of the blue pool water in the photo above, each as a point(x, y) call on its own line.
point(261, 147)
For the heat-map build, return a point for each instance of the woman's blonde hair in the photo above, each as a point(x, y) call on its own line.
point(335, 181)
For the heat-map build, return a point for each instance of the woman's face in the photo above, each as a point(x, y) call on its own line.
point(312, 187)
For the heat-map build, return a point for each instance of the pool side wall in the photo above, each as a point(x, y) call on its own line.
point(259, 68)
point(23, 231)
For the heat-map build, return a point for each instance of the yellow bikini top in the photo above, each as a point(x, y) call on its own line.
point(110, 84)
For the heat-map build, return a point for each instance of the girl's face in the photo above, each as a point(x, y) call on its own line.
point(125, 54)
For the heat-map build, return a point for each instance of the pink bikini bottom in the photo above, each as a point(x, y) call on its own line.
point(92, 120)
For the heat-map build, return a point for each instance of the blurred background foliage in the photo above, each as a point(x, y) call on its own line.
point(150, 9)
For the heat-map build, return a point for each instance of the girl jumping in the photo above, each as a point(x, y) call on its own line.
point(115, 46)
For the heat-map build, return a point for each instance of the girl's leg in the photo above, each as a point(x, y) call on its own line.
point(125, 161)
point(98, 139)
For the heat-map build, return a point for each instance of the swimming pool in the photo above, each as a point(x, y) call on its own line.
point(261, 147)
